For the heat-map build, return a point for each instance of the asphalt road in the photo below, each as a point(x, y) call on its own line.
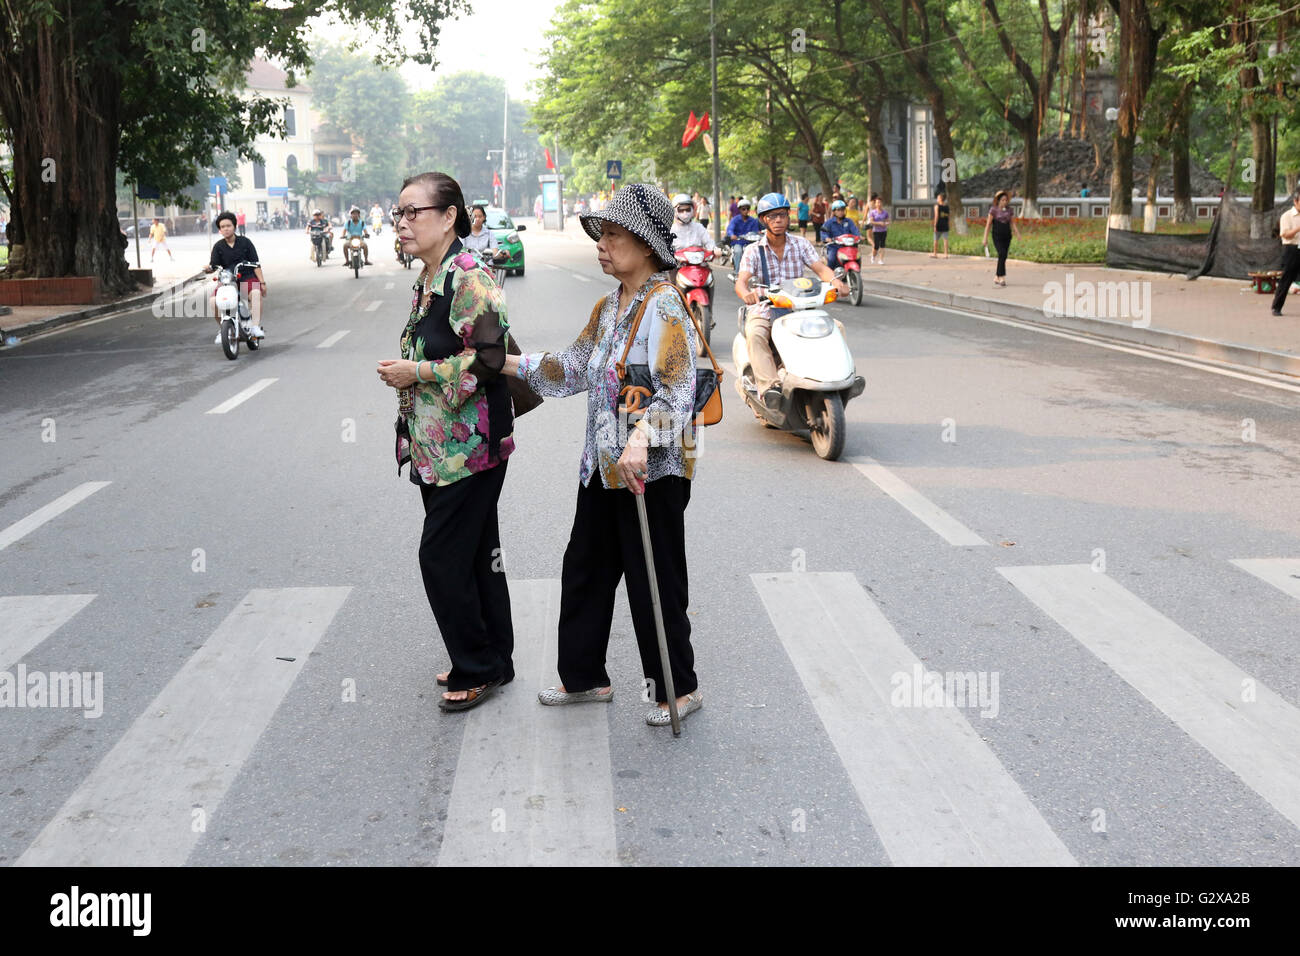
point(1053, 521)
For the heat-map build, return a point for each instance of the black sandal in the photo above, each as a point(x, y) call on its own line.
point(476, 696)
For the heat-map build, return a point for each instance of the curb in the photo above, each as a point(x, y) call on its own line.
point(108, 308)
point(1268, 360)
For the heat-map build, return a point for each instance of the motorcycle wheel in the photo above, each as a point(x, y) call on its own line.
point(855, 287)
point(356, 267)
point(229, 339)
point(320, 256)
point(826, 425)
point(499, 275)
point(704, 316)
point(407, 260)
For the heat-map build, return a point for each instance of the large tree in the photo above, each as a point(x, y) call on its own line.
point(153, 87)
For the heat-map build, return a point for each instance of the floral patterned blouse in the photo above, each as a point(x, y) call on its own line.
point(459, 422)
point(666, 333)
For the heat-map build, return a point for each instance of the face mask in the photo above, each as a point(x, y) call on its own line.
point(685, 217)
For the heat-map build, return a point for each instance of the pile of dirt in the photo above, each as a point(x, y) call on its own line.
point(1065, 164)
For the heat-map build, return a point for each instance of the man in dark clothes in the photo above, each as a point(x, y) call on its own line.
point(229, 251)
point(1289, 230)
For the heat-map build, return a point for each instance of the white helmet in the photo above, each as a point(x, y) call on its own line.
point(681, 199)
point(742, 201)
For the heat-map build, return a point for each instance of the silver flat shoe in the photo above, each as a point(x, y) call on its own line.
point(660, 717)
point(554, 697)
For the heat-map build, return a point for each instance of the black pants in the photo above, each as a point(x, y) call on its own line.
point(604, 546)
point(1002, 243)
point(1290, 270)
point(469, 598)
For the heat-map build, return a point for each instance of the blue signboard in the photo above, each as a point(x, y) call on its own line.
point(147, 192)
point(277, 190)
point(550, 197)
point(216, 183)
point(613, 169)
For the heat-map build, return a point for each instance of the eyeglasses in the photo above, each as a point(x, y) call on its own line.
point(411, 211)
point(781, 214)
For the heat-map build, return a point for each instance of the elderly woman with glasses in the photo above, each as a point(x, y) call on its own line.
point(454, 424)
point(655, 458)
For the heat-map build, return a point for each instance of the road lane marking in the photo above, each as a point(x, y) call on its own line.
point(580, 278)
point(930, 514)
point(136, 808)
point(242, 397)
point(1282, 573)
point(25, 526)
point(27, 620)
point(387, 286)
point(333, 339)
point(359, 293)
point(1086, 340)
point(1198, 689)
point(374, 306)
point(533, 784)
point(549, 266)
point(936, 794)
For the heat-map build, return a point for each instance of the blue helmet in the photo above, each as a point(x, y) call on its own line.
point(772, 202)
point(838, 204)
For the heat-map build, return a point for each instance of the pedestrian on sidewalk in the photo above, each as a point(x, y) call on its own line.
point(1001, 221)
point(941, 213)
point(804, 214)
point(817, 214)
point(158, 238)
point(702, 209)
point(633, 245)
point(242, 222)
point(878, 217)
point(454, 425)
point(854, 211)
point(1289, 230)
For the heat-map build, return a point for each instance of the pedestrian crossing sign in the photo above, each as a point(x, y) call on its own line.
point(613, 169)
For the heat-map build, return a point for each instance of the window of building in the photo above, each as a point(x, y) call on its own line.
point(259, 176)
point(290, 124)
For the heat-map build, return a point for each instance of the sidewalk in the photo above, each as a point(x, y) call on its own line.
point(1210, 318)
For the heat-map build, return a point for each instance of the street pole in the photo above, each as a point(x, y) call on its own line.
point(559, 183)
point(713, 108)
point(135, 218)
point(505, 151)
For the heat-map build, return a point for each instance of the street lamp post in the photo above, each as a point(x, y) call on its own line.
point(717, 130)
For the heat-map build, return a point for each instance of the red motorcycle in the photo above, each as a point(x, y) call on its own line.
point(849, 268)
point(695, 279)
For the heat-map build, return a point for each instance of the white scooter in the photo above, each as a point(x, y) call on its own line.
point(234, 311)
point(819, 376)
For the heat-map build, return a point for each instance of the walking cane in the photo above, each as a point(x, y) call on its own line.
point(659, 615)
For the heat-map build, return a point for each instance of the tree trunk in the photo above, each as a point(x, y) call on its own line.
point(1029, 202)
point(1121, 183)
point(64, 125)
point(948, 152)
point(880, 152)
point(1182, 168)
point(1261, 199)
point(1150, 211)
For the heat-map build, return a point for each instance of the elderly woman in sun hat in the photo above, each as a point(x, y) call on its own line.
point(633, 236)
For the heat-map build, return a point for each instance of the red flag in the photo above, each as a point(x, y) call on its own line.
point(496, 180)
point(550, 163)
point(704, 122)
point(691, 131)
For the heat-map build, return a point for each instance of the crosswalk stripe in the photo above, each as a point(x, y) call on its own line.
point(242, 397)
point(533, 784)
point(1282, 573)
point(930, 514)
point(375, 306)
point(1204, 693)
point(25, 526)
point(137, 807)
point(935, 793)
point(387, 286)
point(27, 620)
point(333, 339)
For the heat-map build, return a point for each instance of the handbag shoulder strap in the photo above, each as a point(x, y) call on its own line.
point(621, 365)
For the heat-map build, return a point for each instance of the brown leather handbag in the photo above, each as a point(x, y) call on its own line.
point(636, 387)
point(522, 396)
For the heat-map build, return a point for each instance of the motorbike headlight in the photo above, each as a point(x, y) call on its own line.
point(695, 258)
point(356, 241)
point(810, 326)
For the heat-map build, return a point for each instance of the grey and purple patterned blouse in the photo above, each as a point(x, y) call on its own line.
point(666, 333)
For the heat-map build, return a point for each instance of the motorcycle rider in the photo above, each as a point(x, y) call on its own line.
point(355, 227)
point(393, 214)
point(687, 232)
point(319, 230)
point(743, 227)
point(777, 256)
point(838, 225)
point(229, 251)
point(481, 238)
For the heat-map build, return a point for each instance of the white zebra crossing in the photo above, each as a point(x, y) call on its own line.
point(1282, 573)
point(20, 529)
point(27, 620)
point(138, 806)
point(1253, 731)
point(533, 784)
point(935, 793)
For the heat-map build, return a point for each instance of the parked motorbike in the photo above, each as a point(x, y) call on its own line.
point(817, 374)
point(234, 312)
point(695, 279)
point(849, 266)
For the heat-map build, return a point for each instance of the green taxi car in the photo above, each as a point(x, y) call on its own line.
point(507, 236)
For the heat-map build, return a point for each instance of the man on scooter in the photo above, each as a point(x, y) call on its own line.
point(229, 251)
point(776, 257)
point(686, 231)
point(742, 229)
point(839, 225)
point(355, 227)
point(319, 231)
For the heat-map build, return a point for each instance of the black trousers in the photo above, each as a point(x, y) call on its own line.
point(604, 546)
point(469, 597)
point(1002, 243)
point(1290, 270)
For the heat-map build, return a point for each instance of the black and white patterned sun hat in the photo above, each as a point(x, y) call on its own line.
point(644, 211)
